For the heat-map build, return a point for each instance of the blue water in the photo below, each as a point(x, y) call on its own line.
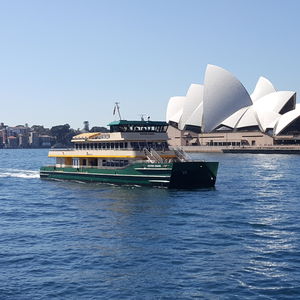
point(69, 240)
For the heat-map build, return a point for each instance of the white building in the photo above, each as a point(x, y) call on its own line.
point(222, 105)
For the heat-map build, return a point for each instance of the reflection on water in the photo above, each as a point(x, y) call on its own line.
point(71, 240)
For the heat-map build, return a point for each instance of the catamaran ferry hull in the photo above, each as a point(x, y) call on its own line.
point(178, 175)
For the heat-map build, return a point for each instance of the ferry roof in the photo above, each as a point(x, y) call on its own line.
point(86, 135)
point(138, 123)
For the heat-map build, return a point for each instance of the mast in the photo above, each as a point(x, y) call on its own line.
point(117, 108)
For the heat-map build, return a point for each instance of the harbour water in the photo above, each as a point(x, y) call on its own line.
point(70, 240)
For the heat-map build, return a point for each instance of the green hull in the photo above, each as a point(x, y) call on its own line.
point(171, 175)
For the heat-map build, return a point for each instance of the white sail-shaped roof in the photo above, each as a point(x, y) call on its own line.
point(275, 101)
point(285, 120)
point(267, 119)
point(249, 119)
point(196, 117)
point(234, 118)
point(223, 96)
point(263, 87)
point(194, 98)
point(175, 109)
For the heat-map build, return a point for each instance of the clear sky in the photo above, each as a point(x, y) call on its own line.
point(67, 61)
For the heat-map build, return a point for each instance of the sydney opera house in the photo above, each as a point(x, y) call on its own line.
point(221, 113)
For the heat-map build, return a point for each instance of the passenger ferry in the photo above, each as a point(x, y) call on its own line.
point(132, 153)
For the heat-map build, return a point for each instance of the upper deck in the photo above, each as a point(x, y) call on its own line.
point(138, 126)
point(126, 139)
point(124, 130)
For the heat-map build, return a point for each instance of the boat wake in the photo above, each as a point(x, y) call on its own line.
point(18, 173)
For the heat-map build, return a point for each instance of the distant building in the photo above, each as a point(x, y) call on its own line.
point(45, 141)
point(3, 133)
point(221, 112)
point(34, 141)
point(23, 141)
point(12, 142)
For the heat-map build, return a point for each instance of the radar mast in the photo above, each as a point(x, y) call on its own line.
point(117, 108)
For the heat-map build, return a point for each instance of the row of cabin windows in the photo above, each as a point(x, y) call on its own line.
point(76, 162)
point(138, 128)
point(104, 162)
point(160, 146)
point(97, 146)
point(95, 162)
point(114, 163)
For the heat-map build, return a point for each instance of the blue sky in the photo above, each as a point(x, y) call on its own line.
point(64, 61)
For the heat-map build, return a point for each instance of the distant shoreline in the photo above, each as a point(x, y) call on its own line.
point(244, 150)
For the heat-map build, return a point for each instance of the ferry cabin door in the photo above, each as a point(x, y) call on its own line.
point(75, 163)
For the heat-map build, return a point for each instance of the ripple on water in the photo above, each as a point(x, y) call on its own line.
point(68, 240)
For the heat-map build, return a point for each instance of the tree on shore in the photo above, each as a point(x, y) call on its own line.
point(40, 129)
point(63, 134)
point(99, 129)
point(86, 126)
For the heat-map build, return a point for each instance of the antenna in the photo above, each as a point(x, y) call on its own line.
point(143, 116)
point(117, 108)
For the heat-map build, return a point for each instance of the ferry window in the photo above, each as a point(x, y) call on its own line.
point(59, 161)
point(112, 145)
point(125, 145)
point(121, 145)
point(142, 145)
point(135, 145)
point(107, 145)
point(76, 162)
point(93, 162)
point(84, 162)
point(84, 146)
point(116, 145)
point(99, 146)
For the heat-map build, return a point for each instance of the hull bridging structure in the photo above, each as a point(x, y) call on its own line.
point(132, 153)
point(177, 175)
